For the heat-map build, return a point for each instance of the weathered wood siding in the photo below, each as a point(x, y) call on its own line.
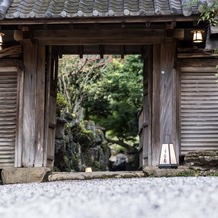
point(145, 115)
point(33, 147)
point(50, 118)
point(8, 115)
point(199, 107)
point(163, 99)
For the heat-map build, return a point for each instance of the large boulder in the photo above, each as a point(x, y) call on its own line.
point(12, 175)
point(202, 160)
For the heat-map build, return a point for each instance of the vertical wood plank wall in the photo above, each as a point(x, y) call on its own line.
point(29, 116)
point(34, 104)
point(168, 96)
point(50, 118)
point(147, 106)
point(19, 130)
point(40, 107)
point(163, 106)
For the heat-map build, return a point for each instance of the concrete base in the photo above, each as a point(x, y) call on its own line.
point(14, 175)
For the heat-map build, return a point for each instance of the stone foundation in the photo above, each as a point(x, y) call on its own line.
point(14, 175)
point(202, 160)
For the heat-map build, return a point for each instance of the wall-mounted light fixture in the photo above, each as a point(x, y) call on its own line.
point(1, 40)
point(197, 36)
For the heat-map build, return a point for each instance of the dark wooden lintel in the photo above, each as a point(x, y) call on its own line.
point(99, 37)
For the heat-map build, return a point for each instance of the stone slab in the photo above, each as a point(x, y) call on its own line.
point(94, 175)
point(12, 175)
point(153, 171)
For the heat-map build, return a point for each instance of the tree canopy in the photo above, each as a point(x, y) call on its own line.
point(107, 91)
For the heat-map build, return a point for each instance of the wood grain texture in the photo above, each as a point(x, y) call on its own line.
point(8, 115)
point(166, 92)
point(99, 36)
point(155, 134)
point(29, 116)
point(19, 130)
point(40, 107)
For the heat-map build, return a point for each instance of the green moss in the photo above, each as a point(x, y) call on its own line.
point(85, 135)
point(62, 104)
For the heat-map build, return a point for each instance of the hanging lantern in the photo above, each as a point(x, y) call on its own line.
point(197, 36)
point(167, 155)
point(1, 40)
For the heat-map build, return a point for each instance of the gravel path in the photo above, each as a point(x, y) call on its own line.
point(185, 197)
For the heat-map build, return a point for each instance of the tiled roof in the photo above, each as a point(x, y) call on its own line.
point(91, 8)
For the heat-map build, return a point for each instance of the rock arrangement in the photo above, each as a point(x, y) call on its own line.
point(202, 160)
point(79, 144)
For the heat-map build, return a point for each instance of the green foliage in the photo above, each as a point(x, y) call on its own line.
point(62, 104)
point(76, 76)
point(116, 100)
point(208, 10)
point(108, 91)
point(84, 133)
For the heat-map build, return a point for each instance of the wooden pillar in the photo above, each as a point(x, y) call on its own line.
point(155, 132)
point(163, 98)
point(40, 107)
point(168, 95)
point(34, 94)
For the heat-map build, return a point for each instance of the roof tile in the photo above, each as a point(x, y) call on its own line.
point(92, 8)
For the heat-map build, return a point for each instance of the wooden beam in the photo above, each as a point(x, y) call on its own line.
point(20, 35)
point(11, 51)
point(101, 49)
point(198, 62)
point(99, 37)
point(197, 55)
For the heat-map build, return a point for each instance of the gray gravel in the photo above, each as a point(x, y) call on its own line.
point(185, 197)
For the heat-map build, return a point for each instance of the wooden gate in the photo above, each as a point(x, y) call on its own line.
point(145, 116)
point(52, 73)
point(199, 107)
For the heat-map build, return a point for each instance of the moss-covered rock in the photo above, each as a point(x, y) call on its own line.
point(82, 146)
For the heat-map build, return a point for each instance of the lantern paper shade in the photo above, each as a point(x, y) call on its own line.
point(1, 40)
point(167, 157)
point(197, 36)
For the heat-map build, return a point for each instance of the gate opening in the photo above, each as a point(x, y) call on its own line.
point(98, 103)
